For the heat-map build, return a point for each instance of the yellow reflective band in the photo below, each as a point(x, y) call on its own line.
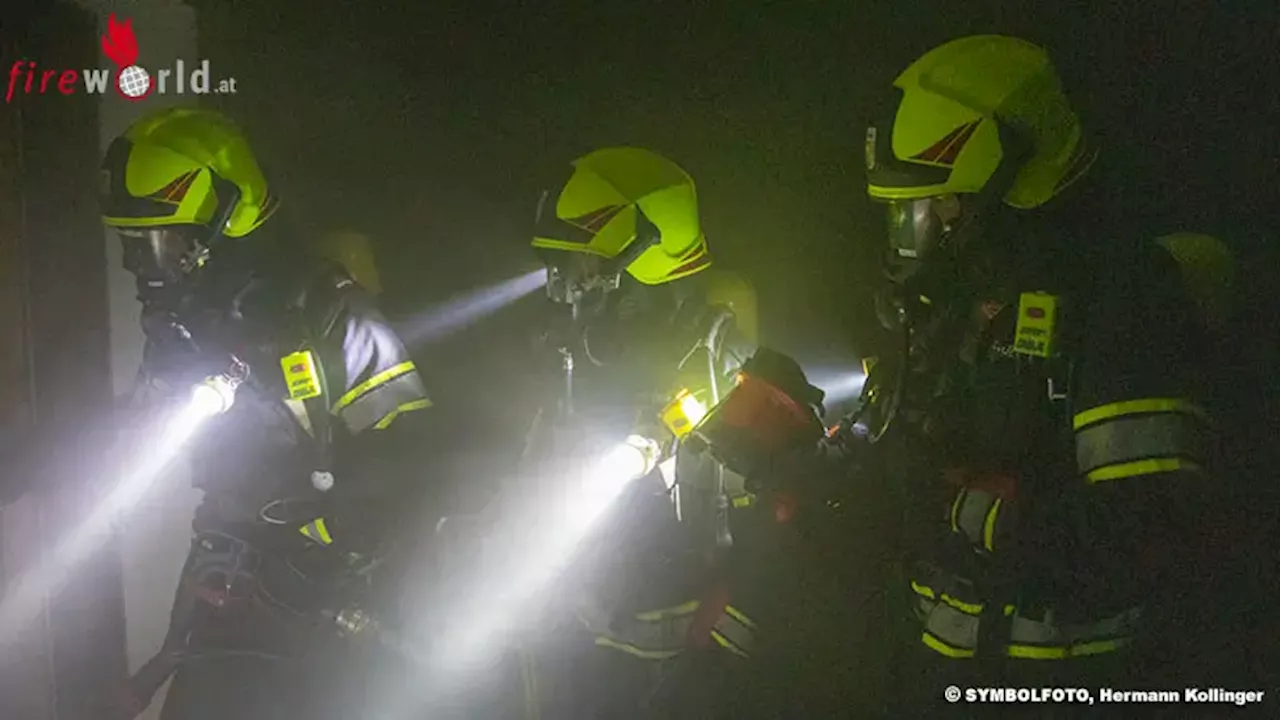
point(316, 530)
point(744, 501)
point(964, 607)
point(989, 527)
point(410, 406)
point(1135, 407)
point(737, 614)
point(954, 652)
point(664, 613)
point(881, 192)
point(1142, 467)
point(390, 373)
point(725, 643)
point(637, 652)
point(1036, 652)
point(1009, 610)
point(955, 510)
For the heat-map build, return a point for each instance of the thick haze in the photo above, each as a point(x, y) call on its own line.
point(431, 127)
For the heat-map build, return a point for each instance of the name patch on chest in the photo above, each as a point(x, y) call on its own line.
point(1037, 315)
point(300, 375)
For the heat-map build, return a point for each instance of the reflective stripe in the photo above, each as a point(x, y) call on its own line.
point(955, 511)
point(728, 644)
point(940, 646)
point(629, 649)
point(738, 615)
point(1140, 437)
point(652, 635)
point(954, 633)
point(989, 527)
point(317, 530)
point(1137, 407)
point(733, 632)
point(385, 399)
point(1048, 633)
point(922, 590)
point(1029, 652)
point(378, 378)
point(682, 609)
point(974, 514)
point(1143, 467)
point(299, 410)
point(410, 406)
point(662, 634)
point(927, 592)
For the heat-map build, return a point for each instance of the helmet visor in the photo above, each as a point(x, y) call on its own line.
point(915, 227)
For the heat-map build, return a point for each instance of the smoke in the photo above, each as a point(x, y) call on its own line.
point(467, 308)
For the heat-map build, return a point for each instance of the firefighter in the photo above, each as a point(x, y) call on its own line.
point(648, 338)
point(300, 474)
point(1042, 435)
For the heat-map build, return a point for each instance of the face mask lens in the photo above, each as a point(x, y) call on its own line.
point(914, 227)
point(157, 255)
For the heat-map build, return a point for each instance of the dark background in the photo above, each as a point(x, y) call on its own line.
point(431, 127)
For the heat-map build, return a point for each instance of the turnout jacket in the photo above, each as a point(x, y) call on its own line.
point(332, 390)
point(1053, 469)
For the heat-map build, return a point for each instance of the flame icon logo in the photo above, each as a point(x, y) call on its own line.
point(131, 81)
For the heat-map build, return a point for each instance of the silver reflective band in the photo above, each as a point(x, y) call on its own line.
point(975, 513)
point(664, 634)
point(1127, 439)
point(954, 633)
point(381, 400)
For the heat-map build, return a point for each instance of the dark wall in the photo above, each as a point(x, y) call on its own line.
point(58, 386)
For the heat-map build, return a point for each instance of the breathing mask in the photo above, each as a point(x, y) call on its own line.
point(162, 259)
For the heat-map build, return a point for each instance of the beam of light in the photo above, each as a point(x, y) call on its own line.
point(466, 308)
point(840, 385)
point(542, 541)
point(48, 575)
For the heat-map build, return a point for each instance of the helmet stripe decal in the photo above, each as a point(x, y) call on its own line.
point(946, 150)
point(697, 249)
point(696, 263)
point(597, 219)
point(1081, 160)
point(175, 191)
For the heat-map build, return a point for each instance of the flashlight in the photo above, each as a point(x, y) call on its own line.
point(217, 393)
point(629, 460)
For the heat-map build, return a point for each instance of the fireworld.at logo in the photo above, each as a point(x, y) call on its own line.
point(130, 80)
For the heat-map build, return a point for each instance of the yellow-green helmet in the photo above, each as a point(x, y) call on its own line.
point(598, 212)
point(728, 289)
point(945, 136)
point(183, 166)
point(1208, 272)
point(354, 252)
